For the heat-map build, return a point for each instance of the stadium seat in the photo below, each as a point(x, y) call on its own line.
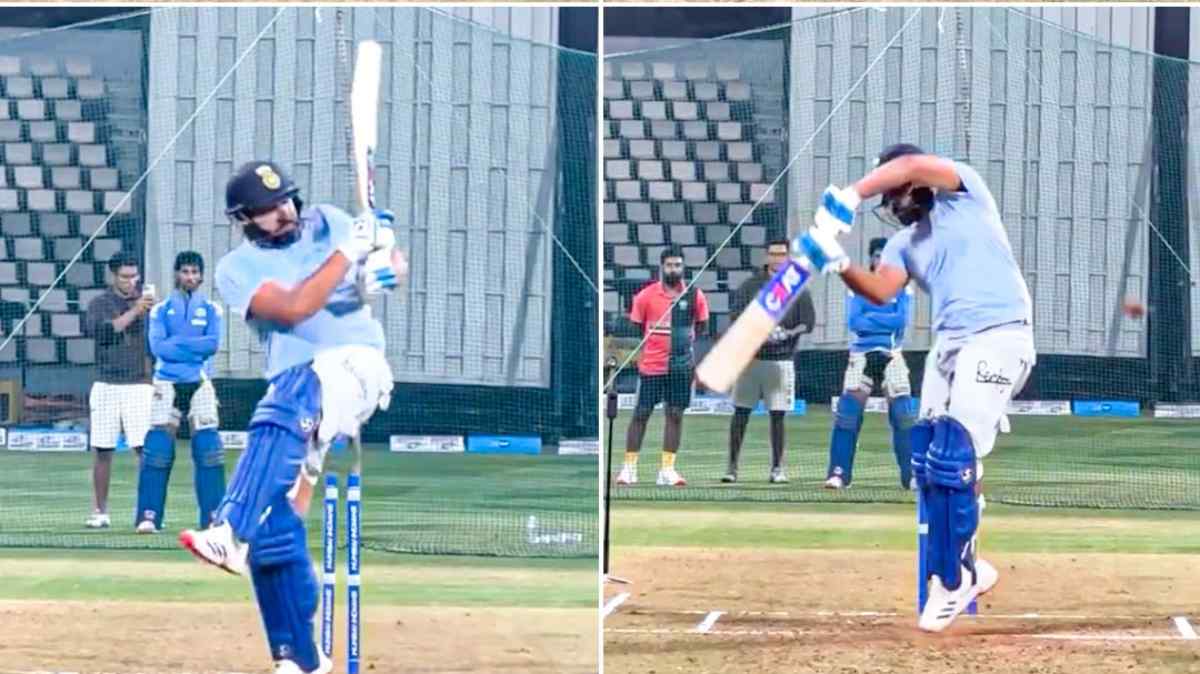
point(42, 66)
point(617, 169)
point(695, 130)
point(750, 172)
point(614, 89)
point(10, 130)
point(638, 211)
point(81, 132)
point(89, 88)
point(39, 273)
point(65, 249)
point(28, 249)
point(662, 70)
point(28, 177)
point(55, 87)
point(683, 235)
point(93, 155)
point(10, 65)
point(652, 253)
point(718, 302)
point(708, 150)
point(654, 110)
point(78, 66)
point(694, 256)
point(650, 169)
point(16, 224)
point(89, 224)
point(626, 256)
point(642, 90)
point(54, 299)
point(685, 111)
point(611, 301)
point(41, 350)
point(758, 257)
point(729, 257)
point(736, 213)
point(674, 149)
point(81, 275)
point(716, 171)
point(662, 191)
point(9, 200)
point(17, 154)
point(729, 131)
point(671, 213)
point(663, 129)
point(642, 149)
point(33, 327)
point(734, 278)
point(633, 128)
point(65, 177)
point(704, 91)
point(622, 109)
point(80, 201)
point(86, 297)
point(20, 295)
point(8, 273)
point(611, 212)
point(609, 70)
point(43, 132)
point(729, 192)
point(103, 249)
point(727, 71)
point(628, 190)
point(706, 280)
point(640, 273)
point(753, 236)
point(695, 71)
point(81, 351)
point(68, 111)
point(739, 151)
point(705, 214)
point(17, 86)
point(716, 111)
point(683, 171)
point(715, 235)
point(695, 191)
point(616, 232)
point(674, 91)
point(54, 225)
point(633, 70)
point(762, 191)
point(612, 148)
point(651, 234)
point(56, 154)
point(737, 91)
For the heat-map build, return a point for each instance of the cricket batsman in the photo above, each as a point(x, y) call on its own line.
point(184, 333)
point(954, 245)
point(300, 279)
point(876, 334)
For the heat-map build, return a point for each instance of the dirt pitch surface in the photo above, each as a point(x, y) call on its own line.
point(176, 638)
point(735, 610)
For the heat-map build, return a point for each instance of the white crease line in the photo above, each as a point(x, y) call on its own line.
point(1101, 637)
point(895, 614)
point(612, 604)
point(797, 633)
point(1184, 627)
point(711, 619)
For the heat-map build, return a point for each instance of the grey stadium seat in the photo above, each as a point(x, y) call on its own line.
point(654, 110)
point(16, 224)
point(41, 200)
point(737, 91)
point(729, 131)
point(620, 109)
point(54, 225)
point(739, 151)
point(684, 171)
point(716, 171)
point(750, 172)
point(17, 86)
point(673, 212)
point(642, 149)
point(762, 191)
point(65, 177)
point(18, 153)
point(611, 211)
point(93, 155)
point(54, 299)
point(753, 236)
point(65, 249)
point(708, 150)
point(651, 234)
point(10, 131)
point(8, 273)
point(683, 235)
point(704, 91)
point(617, 169)
point(633, 70)
point(89, 88)
point(638, 211)
point(117, 201)
point(663, 129)
point(27, 177)
point(727, 71)
point(662, 191)
point(694, 256)
point(650, 169)
point(103, 249)
point(685, 111)
point(674, 91)
point(55, 87)
point(81, 275)
point(736, 212)
point(695, 130)
point(716, 111)
point(56, 154)
point(633, 128)
point(81, 351)
point(81, 132)
point(69, 110)
point(705, 214)
point(729, 192)
point(662, 71)
point(80, 201)
point(674, 149)
point(628, 190)
point(715, 235)
point(40, 273)
point(10, 65)
point(626, 256)
point(642, 90)
point(30, 248)
point(695, 191)
point(41, 350)
point(43, 132)
point(614, 89)
point(695, 71)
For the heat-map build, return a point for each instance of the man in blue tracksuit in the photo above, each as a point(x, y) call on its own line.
point(184, 333)
point(877, 332)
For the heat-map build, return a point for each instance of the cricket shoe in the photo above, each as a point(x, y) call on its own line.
point(146, 527)
point(943, 605)
point(669, 477)
point(730, 476)
point(777, 476)
point(627, 476)
point(325, 666)
point(217, 546)
point(835, 482)
point(98, 520)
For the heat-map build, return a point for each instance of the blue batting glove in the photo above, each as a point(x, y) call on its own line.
point(836, 209)
point(821, 248)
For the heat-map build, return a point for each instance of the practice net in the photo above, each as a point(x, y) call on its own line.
point(118, 138)
point(719, 146)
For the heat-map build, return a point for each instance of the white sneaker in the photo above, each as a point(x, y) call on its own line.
point(628, 475)
point(146, 527)
point(217, 546)
point(945, 605)
point(835, 482)
point(289, 667)
point(777, 476)
point(669, 477)
point(98, 520)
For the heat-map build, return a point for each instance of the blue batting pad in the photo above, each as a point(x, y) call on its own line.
point(953, 508)
point(158, 455)
point(285, 586)
point(902, 412)
point(847, 422)
point(208, 458)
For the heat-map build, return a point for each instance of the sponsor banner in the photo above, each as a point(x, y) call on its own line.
point(875, 404)
point(1040, 408)
point(626, 401)
point(579, 447)
point(233, 439)
point(712, 405)
point(441, 444)
point(3, 437)
point(1106, 408)
point(799, 408)
point(504, 444)
point(47, 441)
point(1177, 411)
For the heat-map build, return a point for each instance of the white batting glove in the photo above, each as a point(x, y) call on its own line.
point(835, 211)
point(368, 232)
point(376, 276)
point(821, 248)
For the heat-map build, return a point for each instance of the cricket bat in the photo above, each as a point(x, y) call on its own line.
point(364, 121)
point(726, 360)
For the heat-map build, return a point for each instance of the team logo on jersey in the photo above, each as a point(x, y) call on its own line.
point(967, 473)
point(683, 304)
point(306, 424)
point(201, 312)
point(270, 179)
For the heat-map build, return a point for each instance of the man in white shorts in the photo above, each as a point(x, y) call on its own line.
point(121, 396)
point(953, 243)
point(771, 378)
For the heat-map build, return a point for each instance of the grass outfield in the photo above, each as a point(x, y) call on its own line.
point(1122, 463)
point(427, 503)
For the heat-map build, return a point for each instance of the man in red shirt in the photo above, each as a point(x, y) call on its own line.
point(669, 318)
